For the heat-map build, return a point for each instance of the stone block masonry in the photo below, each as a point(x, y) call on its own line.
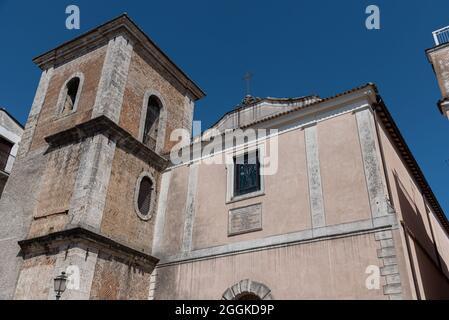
point(389, 270)
point(89, 195)
point(22, 188)
point(113, 79)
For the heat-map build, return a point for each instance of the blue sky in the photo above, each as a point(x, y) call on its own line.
point(293, 48)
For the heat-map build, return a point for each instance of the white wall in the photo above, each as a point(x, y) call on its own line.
point(12, 132)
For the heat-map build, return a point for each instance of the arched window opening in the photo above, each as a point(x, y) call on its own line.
point(71, 95)
point(144, 198)
point(248, 296)
point(152, 122)
point(248, 290)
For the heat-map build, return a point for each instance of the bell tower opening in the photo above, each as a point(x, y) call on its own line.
point(152, 122)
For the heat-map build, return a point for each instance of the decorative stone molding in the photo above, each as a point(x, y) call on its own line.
point(76, 234)
point(250, 148)
point(245, 220)
point(153, 285)
point(38, 102)
point(92, 181)
point(290, 239)
point(103, 125)
point(189, 211)
point(162, 118)
point(247, 287)
point(153, 196)
point(389, 270)
point(314, 174)
point(78, 261)
point(160, 215)
point(63, 94)
point(371, 163)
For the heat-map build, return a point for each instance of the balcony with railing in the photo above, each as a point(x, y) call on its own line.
point(441, 36)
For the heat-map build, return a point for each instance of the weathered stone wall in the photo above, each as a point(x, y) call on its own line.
point(17, 206)
point(120, 220)
point(92, 181)
point(114, 74)
point(20, 196)
point(36, 277)
point(173, 216)
point(116, 279)
point(50, 122)
point(93, 273)
point(343, 177)
point(146, 77)
point(55, 192)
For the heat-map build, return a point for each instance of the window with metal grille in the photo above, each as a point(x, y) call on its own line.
point(144, 198)
point(152, 122)
point(246, 174)
point(71, 95)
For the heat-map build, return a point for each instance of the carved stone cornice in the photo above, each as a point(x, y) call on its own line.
point(74, 235)
point(107, 127)
point(100, 36)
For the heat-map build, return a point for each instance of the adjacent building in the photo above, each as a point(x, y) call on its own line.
point(285, 198)
point(438, 56)
point(10, 133)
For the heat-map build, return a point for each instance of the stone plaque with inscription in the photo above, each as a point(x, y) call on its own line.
point(246, 219)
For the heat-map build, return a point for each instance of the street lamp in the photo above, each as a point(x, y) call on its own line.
point(60, 284)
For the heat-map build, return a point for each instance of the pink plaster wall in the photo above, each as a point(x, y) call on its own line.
point(342, 173)
point(332, 269)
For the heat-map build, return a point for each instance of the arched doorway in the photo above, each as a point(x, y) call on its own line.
point(248, 290)
point(247, 296)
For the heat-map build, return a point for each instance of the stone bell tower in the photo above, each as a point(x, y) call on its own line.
point(438, 56)
point(82, 197)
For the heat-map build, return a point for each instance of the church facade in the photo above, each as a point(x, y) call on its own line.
point(295, 198)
